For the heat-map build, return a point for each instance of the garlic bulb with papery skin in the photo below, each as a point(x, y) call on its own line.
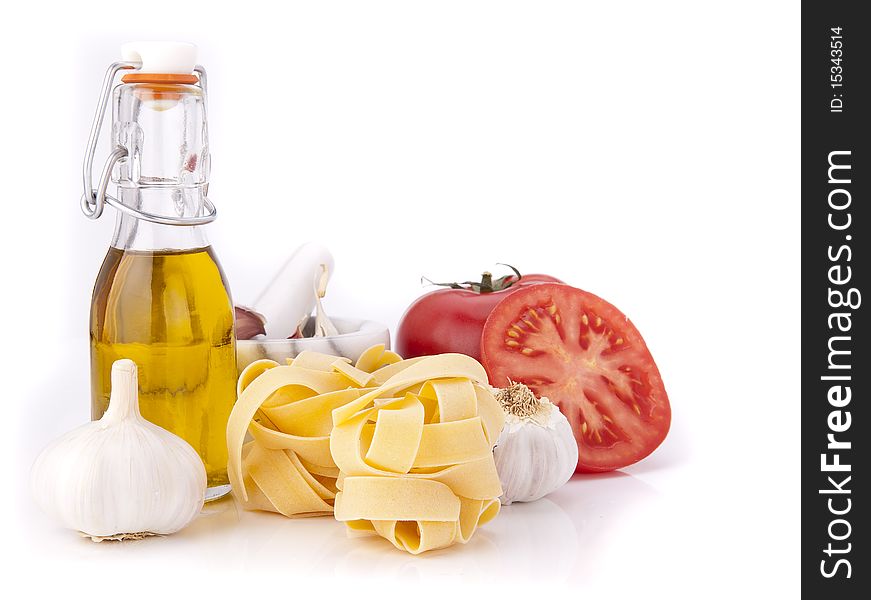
point(122, 476)
point(536, 453)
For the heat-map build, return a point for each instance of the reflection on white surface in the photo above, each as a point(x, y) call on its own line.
point(561, 535)
point(598, 505)
point(518, 542)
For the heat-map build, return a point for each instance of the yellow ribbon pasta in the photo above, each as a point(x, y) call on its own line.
point(415, 454)
point(287, 466)
point(392, 447)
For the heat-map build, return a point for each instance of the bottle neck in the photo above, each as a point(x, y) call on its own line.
point(165, 172)
point(132, 233)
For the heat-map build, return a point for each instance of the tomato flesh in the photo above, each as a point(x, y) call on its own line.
point(588, 359)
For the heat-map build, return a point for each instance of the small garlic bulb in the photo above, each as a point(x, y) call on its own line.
point(122, 476)
point(536, 453)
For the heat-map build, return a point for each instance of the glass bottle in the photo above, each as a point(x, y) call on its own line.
point(161, 298)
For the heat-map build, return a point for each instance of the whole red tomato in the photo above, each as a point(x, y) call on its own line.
point(452, 319)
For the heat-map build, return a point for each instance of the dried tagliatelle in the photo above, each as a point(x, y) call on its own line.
point(415, 453)
point(287, 466)
point(400, 448)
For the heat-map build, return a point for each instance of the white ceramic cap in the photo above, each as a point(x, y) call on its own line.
point(161, 57)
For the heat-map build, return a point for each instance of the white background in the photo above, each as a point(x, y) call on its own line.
point(646, 151)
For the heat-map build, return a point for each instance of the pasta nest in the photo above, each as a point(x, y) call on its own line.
point(396, 448)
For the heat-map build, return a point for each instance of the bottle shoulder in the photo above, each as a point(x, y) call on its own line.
point(180, 292)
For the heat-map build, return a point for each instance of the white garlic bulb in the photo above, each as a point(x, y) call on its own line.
point(122, 476)
point(536, 453)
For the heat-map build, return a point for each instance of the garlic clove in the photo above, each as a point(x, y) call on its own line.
point(121, 477)
point(249, 323)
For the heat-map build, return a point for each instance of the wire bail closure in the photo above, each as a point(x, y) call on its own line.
point(93, 199)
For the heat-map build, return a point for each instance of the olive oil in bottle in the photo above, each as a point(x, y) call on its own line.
point(170, 313)
point(161, 298)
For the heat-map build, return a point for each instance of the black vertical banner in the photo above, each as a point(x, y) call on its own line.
point(835, 370)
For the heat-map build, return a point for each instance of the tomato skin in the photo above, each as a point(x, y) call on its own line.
point(451, 320)
point(588, 358)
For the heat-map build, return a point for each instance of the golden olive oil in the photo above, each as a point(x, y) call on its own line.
point(169, 312)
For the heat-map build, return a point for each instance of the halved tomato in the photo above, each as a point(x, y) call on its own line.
point(588, 359)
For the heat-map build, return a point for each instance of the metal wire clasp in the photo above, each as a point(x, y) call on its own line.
point(94, 199)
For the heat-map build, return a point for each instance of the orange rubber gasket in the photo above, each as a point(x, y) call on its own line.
point(159, 78)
